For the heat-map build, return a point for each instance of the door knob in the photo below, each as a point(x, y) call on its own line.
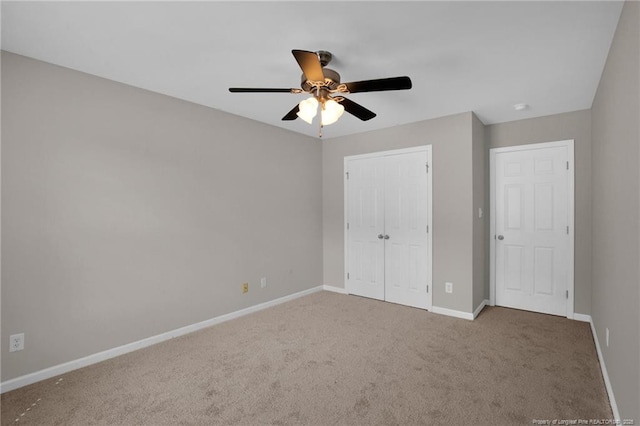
point(386, 237)
point(501, 237)
point(380, 236)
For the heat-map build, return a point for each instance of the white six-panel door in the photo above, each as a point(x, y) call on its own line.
point(387, 217)
point(531, 228)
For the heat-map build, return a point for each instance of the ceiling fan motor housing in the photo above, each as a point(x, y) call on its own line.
point(331, 81)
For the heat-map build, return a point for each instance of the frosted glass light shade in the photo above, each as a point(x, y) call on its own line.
point(331, 111)
point(308, 109)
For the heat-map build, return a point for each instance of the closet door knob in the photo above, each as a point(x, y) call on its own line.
point(380, 236)
point(501, 237)
point(386, 237)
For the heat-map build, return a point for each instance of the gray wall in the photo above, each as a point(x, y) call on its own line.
point(451, 138)
point(571, 125)
point(128, 213)
point(480, 154)
point(616, 212)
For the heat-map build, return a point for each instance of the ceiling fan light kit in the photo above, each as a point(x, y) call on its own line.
point(323, 84)
point(331, 111)
point(308, 109)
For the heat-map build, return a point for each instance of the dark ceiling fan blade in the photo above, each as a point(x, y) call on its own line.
point(310, 64)
point(258, 90)
point(357, 110)
point(379, 85)
point(292, 115)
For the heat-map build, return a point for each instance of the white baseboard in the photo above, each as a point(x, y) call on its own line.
point(335, 289)
point(452, 313)
point(56, 370)
point(460, 314)
point(479, 309)
point(581, 317)
point(603, 367)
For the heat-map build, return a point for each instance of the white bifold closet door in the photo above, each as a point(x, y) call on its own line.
point(388, 254)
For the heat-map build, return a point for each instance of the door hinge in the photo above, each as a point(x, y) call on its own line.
point(567, 165)
point(427, 288)
point(567, 229)
point(427, 229)
point(347, 225)
point(427, 166)
point(347, 173)
point(567, 294)
point(347, 275)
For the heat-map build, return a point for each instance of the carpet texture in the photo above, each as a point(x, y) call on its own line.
point(330, 359)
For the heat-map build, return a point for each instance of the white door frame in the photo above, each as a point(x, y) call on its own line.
point(571, 200)
point(423, 148)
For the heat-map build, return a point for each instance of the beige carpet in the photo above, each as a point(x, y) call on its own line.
point(329, 359)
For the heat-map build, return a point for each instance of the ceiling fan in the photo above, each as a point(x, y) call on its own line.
point(323, 84)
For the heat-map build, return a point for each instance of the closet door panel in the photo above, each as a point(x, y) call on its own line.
point(405, 214)
point(365, 220)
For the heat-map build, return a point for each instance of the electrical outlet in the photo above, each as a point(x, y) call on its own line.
point(607, 336)
point(448, 287)
point(16, 342)
point(263, 282)
point(245, 287)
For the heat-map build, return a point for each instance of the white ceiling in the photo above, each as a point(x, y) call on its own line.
point(462, 56)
